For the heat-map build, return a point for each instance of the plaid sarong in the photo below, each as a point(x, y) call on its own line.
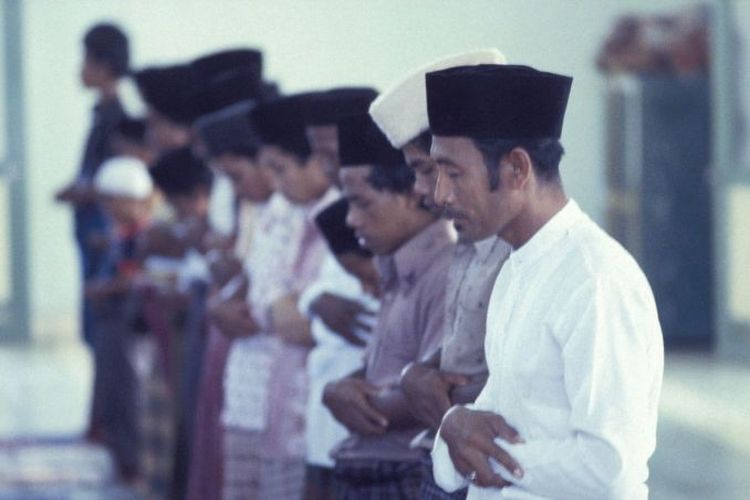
point(248, 476)
point(431, 491)
point(318, 483)
point(377, 480)
point(157, 437)
point(207, 460)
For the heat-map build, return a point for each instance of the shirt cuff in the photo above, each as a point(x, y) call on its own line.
point(445, 474)
point(308, 296)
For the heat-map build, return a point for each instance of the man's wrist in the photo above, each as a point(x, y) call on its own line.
point(451, 411)
point(408, 368)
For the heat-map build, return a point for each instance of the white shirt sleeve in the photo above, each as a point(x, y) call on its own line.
point(327, 282)
point(613, 360)
point(445, 474)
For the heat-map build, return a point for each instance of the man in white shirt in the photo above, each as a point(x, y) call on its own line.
point(574, 346)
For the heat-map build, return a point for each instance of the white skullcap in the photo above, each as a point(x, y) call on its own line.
point(124, 176)
point(401, 111)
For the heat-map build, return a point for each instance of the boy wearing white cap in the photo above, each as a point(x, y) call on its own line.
point(125, 188)
point(457, 371)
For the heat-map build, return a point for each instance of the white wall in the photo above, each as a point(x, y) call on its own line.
point(307, 44)
point(742, 21)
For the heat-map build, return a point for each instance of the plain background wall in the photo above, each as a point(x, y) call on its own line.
point(307, 44)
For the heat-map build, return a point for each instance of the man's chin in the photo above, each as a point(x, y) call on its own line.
point(463, 231)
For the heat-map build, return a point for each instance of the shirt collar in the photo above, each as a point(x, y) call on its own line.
point(415, 256)
point(548, 235)
point(317, 206)
point(485, 247)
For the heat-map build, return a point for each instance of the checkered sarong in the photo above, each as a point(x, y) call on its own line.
point(157, 437)
point(377, 480)
point(431, 491)
point(318, 483)
point(248, 476)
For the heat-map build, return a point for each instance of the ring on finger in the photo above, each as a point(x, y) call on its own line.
point(471, 476)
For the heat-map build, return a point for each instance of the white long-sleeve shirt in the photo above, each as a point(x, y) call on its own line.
point(575, 355)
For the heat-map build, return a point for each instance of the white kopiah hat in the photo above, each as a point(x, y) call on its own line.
point(401, 111)
point(124, 176)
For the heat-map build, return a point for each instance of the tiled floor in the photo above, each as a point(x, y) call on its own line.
point(703, 450)
point(44, 395)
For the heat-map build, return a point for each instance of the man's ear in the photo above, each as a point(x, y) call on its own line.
point(521, 170)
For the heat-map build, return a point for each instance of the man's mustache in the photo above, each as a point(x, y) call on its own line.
point(426, 204)
point(450, 213)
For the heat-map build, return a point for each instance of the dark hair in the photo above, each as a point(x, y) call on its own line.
point(545, 156)
point(423, 141)
point(108, 44)
point(394, 178)
point(132, 129)
point(244, 150)
point(179, 173)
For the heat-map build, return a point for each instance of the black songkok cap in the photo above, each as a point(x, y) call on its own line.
point(362, 143)
point(178, 172)
point(269, 91)
point(229, 130)
point(497, 102)
point(226, 89)
point(328, 107)
point(167, 90)
point(280, 123)
point(132, 129)
point(332, 224)
point(108, 43)
point(217, 63)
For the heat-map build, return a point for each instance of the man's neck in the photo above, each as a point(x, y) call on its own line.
point(544, 205)
point(421, 221)
point(108, 91)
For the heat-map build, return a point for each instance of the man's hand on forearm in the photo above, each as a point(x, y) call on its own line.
point(233, 318)
point(289, 324)
point(428, 391)
point(470, 436)
point(391, 402)
point(342, 316)
point(348, 399)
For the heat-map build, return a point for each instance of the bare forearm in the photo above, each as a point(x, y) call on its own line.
point(392, 403)
point(289, 323)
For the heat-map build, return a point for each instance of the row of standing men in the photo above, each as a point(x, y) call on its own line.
point(345, 334)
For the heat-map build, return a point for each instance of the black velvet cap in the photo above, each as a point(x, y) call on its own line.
point(332, 224)
point(362, 143)
point(107, 43)
point(167, 90)
point(280, 122)
point(179, 172)
point(229, 130)
point(226, 89)
point(269, 91)
point(497, 101)
point(328, 107)
point(212, 65)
